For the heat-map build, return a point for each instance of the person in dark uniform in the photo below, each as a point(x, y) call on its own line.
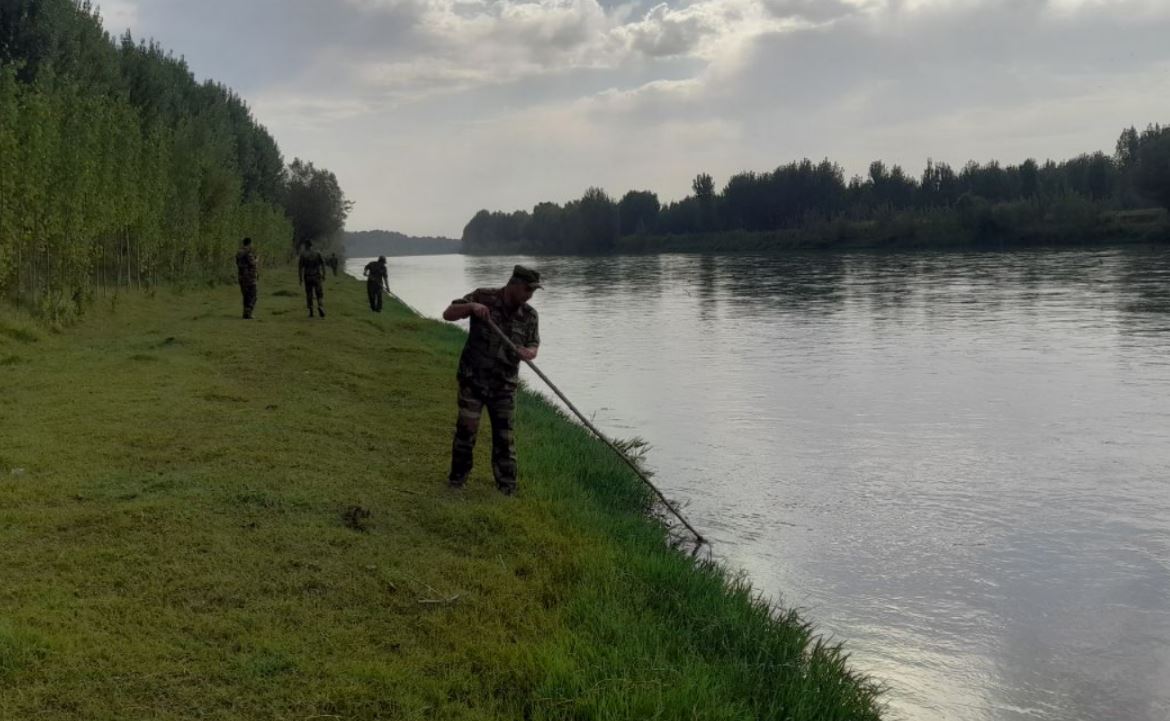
point(311, 271)
point(489, 371)
point(377, 277)
point(248, 272)
point(331, 261)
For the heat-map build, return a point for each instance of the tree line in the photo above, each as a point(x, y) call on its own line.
point(369, 243)
point(987, 198)
point(118, 168)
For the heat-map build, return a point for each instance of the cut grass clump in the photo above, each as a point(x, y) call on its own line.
point(18, 333)
point(21, 651)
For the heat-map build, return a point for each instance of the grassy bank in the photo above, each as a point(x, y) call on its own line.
point(175, 541)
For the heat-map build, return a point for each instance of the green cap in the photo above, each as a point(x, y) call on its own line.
point(526, 275)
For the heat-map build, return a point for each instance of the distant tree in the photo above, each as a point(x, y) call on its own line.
point(638, 212)
point(544, 232)
point(315, 204)
point(1099, 176)
point(990, 182)
point(599, 221)
point(902, 188)
point(704, 187)
point(744, 202)
point(939, 186)
point(1152, 166)
point(1029, 173)
point(680, 217)
point(1127, 147)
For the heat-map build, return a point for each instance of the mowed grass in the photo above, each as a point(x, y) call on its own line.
point(178, 538)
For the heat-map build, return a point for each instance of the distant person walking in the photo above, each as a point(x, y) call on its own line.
point(377, 277)
point(248, 272)
point(311, 271)
point(489, 372)
point(331, 261)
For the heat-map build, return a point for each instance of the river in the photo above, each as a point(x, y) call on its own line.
point(956, 463)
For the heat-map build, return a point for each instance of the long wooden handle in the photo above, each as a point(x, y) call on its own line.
point(599, 434)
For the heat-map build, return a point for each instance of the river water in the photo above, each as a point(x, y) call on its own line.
point(958, 464)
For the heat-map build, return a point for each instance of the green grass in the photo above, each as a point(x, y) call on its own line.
point(180, 540)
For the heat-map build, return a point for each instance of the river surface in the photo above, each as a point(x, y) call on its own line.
point(958, 464)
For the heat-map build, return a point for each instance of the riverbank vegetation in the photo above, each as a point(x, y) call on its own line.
point(369, 243)
point(119, 169)
point(1093, 198)
point(249, 519)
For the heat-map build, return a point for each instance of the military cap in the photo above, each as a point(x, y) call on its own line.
point(527, 276)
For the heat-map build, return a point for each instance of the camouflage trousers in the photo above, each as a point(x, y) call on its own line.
point(248, 291)
point(374, 291)
point(315, 287)
point(501, 406)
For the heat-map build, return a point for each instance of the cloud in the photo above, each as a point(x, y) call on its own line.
point(816, 11)
point(429, 109)
point(118, 15)
point(667, 32)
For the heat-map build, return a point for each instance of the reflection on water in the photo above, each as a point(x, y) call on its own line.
point(957, 463)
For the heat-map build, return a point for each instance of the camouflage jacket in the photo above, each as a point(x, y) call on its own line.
point(311, 265)
point(486, 359)
point(375, 272)
point(247, 266)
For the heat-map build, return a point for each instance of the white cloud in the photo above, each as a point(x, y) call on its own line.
point(431, 109)
point(665, 31)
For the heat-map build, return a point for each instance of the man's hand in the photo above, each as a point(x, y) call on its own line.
point(481, 311)
point(526, 353)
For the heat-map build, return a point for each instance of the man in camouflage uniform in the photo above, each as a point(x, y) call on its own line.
point(377, 277)
point(488, 372)
point(248, 271)
point(311, 271)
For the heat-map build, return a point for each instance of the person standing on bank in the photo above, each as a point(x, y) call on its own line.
point(311, 272)
point(377, 277)
point(489, 372)
point(248, 271)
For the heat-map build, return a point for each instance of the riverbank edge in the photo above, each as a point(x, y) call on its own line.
point(604, 619)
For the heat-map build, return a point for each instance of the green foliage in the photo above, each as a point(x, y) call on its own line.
point(316, 206)
point(117, 168)
point(806, 204)
point(368, 243)
point(638, 212)
point(1151, 165)
point(590, 224)
point(599, 221)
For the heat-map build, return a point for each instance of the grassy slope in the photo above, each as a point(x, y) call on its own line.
point(174, 545)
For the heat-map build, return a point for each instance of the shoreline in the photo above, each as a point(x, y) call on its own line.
point(902, 234)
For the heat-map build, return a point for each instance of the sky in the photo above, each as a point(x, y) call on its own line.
point(429, 110)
